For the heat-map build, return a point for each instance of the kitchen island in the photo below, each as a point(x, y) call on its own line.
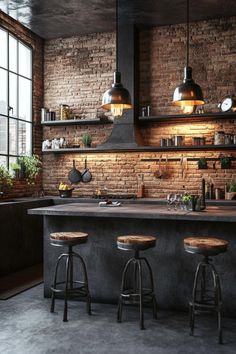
point(172, 266)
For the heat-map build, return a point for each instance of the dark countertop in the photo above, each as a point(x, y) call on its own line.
point(138, 211)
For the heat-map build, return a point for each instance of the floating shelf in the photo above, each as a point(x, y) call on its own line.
point(187, 117)
point(94, 121)
point(142, 149)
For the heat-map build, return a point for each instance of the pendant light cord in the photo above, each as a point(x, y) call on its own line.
point(187, 47)
point(117, 36)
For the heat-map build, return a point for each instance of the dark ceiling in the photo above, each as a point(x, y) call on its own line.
point(64, 18)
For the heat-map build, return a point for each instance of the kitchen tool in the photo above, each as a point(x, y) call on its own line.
point(86, 174)
point(185, 167)
point(165, 171)
point(158, 174)
point(74, 175)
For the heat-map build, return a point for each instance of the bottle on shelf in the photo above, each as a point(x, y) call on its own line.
point(140, 192)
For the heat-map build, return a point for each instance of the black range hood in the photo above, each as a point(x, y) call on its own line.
point(125, 133)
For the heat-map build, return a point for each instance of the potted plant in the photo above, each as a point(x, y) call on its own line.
point(202, 163)
point(5, 179)
point(15, 167)
point(187, 201)
point(225, 162)
point(30, 166)
point(230, 190)
point(87, 140)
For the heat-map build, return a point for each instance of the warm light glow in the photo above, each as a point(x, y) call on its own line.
point(188, 109)
point(117, 110)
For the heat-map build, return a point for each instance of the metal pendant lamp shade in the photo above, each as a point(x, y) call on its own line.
point(116, 98)
point(188, 93)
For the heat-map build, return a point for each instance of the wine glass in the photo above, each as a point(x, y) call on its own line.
point(170, 200)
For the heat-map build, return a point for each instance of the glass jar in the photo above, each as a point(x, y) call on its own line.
point(219, 138)
point(228, 139)
point(65, 111)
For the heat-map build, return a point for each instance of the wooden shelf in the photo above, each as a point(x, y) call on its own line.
point(142, 149)
point(94, 121)
point(187, 117)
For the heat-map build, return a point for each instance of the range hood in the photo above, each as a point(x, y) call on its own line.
point(126, 133)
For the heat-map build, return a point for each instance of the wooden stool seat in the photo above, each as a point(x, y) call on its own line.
point(205, 245)
point(69, 286)
point(133, 291)
point(132, 242)
point(206, 294)
point(72, 238)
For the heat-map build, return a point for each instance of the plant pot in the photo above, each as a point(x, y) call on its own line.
point(202, 164)
point(225, 166)
point(230, 195)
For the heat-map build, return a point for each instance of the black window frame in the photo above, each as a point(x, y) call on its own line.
point(8, 116)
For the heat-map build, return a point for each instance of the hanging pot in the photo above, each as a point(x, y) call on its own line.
point(86, 174)
point(74, 175)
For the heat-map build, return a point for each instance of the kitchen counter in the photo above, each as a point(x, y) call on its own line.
point(173, 268)
point(141, 211)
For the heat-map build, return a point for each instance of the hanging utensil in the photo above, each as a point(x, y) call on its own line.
point(165, 172)
point(86, 174)
point(74, 175)
point(158, 174)
point(182, 169)
point(185, 166)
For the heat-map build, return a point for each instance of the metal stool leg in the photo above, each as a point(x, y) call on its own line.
point(218, 302)
point(154, 302)
point(66, 288)
point(192, 304)
point(120, 301)
point(88, 297)
point(141, 321)
point(55, 281)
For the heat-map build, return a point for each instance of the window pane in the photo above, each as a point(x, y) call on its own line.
point(13, 95)
point(3, 135)
point(12, 54)
point(3, 48)
point(3, 160)
point(24, 138)
point(24, 61)
point(3, 92)
point(25, 102)
point(12, 137)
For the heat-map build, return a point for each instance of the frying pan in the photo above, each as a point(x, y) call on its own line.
point(74, 175)
point(86, 174)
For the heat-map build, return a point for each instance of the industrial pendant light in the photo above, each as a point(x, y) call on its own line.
point(117, 97)
point(188, 94)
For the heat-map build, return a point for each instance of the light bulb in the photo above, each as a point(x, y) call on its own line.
point(117, 110)
point(188, 109)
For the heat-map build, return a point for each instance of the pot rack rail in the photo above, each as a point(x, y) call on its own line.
point(175, 159)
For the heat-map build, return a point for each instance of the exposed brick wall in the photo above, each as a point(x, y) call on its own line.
point(77, 72)
point(20, 188)
point(212, 57)
point(122, 173)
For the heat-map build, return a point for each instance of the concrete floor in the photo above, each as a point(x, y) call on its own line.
point(27, 326)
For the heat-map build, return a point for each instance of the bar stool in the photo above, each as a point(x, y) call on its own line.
point(136, 293)
point(203, 298)
point(69, 286)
